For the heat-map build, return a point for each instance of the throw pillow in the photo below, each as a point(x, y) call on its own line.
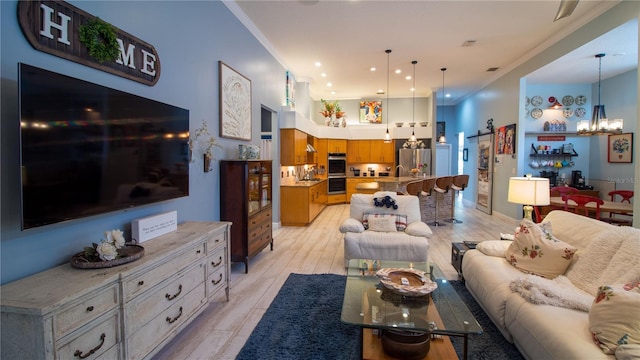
point(381, 222)
point(399, 219)
point(493, 247)
point(418, 228)
point(614, 318)
point(534, 250)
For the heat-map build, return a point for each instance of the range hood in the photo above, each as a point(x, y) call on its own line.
point(310, 148)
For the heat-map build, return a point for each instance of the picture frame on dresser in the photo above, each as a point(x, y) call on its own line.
point(235, 103)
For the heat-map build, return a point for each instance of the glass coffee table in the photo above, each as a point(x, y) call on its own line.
point(368, 304)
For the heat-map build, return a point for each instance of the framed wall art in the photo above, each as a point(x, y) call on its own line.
point(620, 148)
point(371, 112)
point(235, 104)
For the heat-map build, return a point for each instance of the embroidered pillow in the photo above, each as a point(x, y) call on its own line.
point(535, 251)
point(614, 317)
point(381, 222)
point(399, 221)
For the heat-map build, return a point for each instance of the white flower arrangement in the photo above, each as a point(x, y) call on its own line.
point(107, 249)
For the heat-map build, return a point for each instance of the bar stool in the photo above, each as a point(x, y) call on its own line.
point(427, 189)
point(443, 184)
point(414, 187)
point(460, 182)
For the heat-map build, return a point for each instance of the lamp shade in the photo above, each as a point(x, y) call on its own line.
point(528, 191)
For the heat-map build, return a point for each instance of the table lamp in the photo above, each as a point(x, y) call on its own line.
point(528, 191)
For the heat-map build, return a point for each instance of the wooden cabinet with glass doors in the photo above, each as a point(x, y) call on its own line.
point(245, 200)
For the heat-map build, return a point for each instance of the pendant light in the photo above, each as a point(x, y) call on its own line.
point(387, 136)
point(442, 139)
point(599, 122)
point(413, 143)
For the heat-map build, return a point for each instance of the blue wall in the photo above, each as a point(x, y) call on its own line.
point(190, 38)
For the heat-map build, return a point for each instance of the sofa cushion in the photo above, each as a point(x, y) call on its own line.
point(610, 258)
point(351, 225)
point(418, 228)
point(574, 229)
point(614, 318)
point(363, 203)
point(534, 250)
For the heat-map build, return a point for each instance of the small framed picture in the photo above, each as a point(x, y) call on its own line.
point(465, 154)
point(620, 148)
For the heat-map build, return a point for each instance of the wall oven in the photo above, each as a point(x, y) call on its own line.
point(337, 174)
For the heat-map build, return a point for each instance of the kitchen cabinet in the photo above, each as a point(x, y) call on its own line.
point(322, 156)
point(351, 186)
point(245, 200)
point(293, 147)
point(337, 146)
point(300, 205)
point(336, 199)
point(122, 312)
point(370, 151)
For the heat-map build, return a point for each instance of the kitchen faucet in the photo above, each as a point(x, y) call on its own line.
point(400, 166)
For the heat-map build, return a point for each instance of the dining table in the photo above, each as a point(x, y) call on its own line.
point(608, 206)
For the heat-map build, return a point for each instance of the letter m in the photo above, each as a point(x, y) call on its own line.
point(126, 58)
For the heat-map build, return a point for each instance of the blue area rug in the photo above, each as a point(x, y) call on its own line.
point(303, 322)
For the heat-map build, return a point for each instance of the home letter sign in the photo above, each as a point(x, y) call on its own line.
point(54, 27)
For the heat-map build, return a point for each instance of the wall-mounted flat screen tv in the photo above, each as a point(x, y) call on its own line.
point(87, 149)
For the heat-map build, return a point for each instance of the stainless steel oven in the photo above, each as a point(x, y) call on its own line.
point(337, 174)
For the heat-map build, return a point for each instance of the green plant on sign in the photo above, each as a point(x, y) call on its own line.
point(100, 39)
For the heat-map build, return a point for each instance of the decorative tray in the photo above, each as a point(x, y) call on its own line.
point(417, 283)
point(129, 253)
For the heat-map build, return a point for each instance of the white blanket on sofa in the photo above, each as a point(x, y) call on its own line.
point(557, 292)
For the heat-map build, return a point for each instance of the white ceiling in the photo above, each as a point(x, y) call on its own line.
point(348, 37)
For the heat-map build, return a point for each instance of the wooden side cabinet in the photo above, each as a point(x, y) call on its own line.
point(125, 312)
point(245, 200)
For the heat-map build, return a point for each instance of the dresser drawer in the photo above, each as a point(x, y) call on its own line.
point(144, 308)
point(216, 271)
point(137, 284)
point(146, 340)
point(93, 341)
point(215, 242)
point(76, 315)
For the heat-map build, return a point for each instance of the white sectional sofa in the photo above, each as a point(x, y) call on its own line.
point(405, 239)
point(543, 331)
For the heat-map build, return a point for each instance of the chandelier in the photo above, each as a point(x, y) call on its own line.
point(599, 124)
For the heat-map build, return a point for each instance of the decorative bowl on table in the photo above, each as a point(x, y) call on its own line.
point(417, 282)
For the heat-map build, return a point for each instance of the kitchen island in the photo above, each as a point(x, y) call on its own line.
point(302, 201)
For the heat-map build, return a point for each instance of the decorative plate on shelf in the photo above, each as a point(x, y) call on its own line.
point(526, 113)
point(580, 112)
point(536, 100)
point(567, 100)
point(567, 112)
point(527, 101)
point(418, 283)
point(581, 100)
point(536, 113)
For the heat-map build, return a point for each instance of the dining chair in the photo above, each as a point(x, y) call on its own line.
point(581, 204)
point(625, 196)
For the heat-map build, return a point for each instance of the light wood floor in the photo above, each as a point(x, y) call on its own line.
point(222, 329)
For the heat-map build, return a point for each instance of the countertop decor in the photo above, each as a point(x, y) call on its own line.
point(111, 251)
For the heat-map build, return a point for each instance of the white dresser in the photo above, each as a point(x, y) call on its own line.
point(126, 312)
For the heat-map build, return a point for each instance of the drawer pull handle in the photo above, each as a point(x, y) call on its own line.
point(198, 252)
point(172, 320)
point(217, 241)
point(79, 354)
point(218, 263)
point(90, 308)
point(171, 297)
point(217, 282)
point(141, 282)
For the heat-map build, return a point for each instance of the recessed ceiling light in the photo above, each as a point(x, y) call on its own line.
point(333, 92)
point(318, 64)
point(372, 69)
point(380, 92)
point(408, 77)
point(468, 43)
point(329, 84)
point(323, 74)
point(398, 71)
point(447, 95)
point(412, 89)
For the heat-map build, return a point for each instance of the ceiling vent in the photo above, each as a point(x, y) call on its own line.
point(468, 43)
point(492, 69)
